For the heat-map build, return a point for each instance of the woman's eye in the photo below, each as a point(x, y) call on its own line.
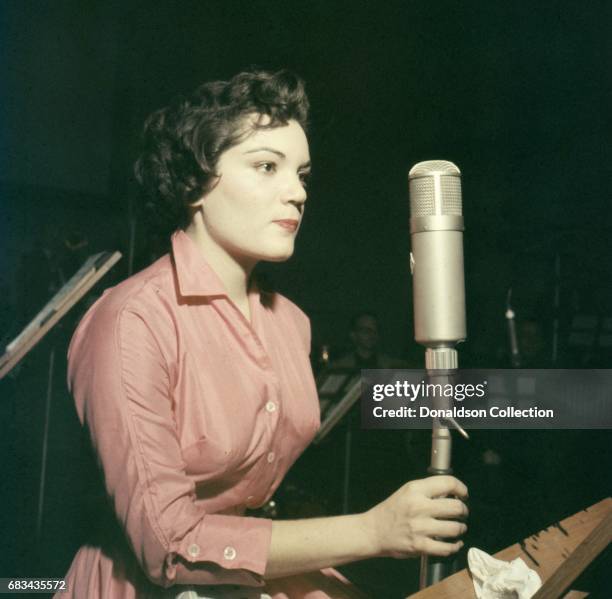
point(267, 167)
point(304, 177)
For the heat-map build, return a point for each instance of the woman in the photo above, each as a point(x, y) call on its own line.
point(196, 387)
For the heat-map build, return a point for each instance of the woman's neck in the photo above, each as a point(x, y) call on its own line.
point(233, 274)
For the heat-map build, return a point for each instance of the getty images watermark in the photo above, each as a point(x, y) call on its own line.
point(540, 399)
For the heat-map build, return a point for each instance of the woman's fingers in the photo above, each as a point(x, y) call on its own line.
point(448, 508)
point(419, 517)
point(434, 547)
point(440, 486)
point(445, 528)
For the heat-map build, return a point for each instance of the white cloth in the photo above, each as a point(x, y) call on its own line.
point(496, 579)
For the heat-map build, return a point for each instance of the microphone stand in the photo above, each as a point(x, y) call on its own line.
point(515, 355)
point(441, 364)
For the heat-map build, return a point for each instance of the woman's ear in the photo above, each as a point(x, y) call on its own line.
point(196, 209)
point(198, 203)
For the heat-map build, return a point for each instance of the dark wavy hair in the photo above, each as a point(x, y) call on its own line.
point(182, 143)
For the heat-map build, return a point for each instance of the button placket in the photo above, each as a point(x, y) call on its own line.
point(246, 330)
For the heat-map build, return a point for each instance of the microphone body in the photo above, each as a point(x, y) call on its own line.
point(436, 230)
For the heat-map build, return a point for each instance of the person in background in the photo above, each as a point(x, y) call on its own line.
point(365, 353)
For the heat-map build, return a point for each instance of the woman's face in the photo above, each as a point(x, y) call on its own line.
point(254, 209)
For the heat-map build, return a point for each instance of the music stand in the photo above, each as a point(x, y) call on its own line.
point(94, 268)
point(339, 389)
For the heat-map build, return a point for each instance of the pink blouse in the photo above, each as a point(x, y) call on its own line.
point(195, 414)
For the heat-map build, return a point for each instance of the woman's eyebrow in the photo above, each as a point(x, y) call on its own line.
point(266, 149)
point(277, 152)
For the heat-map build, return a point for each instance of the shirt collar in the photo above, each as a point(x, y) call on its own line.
point(194, 275)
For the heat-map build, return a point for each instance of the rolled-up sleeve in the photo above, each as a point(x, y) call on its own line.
point(120, 376)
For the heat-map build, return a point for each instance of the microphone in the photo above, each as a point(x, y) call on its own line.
point(436, 263)
point(515, 354)
point(436, 260)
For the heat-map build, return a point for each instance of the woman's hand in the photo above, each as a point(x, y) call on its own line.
point(411, 521)
point(417, 516)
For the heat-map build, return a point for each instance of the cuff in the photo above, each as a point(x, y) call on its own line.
point(231, 545)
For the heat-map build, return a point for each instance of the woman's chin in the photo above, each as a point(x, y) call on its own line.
point(278, 253)
point(278, 257)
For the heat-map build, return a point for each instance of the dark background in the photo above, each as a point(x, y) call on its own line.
point(516, 94)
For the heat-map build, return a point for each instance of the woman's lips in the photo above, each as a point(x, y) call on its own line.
point(289, 224)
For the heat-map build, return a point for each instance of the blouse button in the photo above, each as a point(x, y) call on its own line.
point(229, 553)
point(271, 457)
point(271, 406)
point(193, 550)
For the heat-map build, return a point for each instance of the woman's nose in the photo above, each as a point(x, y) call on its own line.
point(295, 192)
